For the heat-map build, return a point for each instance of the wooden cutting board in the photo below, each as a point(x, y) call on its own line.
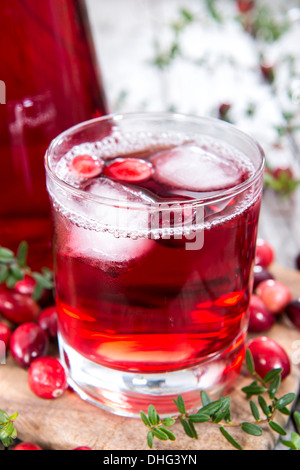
point(68, 422)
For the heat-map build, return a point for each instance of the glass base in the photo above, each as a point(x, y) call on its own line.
point(127, 393)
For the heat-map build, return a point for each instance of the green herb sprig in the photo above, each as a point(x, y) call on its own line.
point(8, 430)
point(217, 412)
point(13, 268)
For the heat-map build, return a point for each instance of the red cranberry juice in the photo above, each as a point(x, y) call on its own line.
point(150, 304)
point(52, 83)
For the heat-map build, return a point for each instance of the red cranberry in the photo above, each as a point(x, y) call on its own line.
point(25, 286)
point(260, 274)
point(224, 109)
point(130, 170)
point(28, 342)
point(86, 166)
point(267, 355)
point(267, 71)
point(47, 377)
point(274, 294)
point(17, 308)
point(264, 253)
point(27, 446)
point(47, 320)
point(5, 334)
point(244, 6)
point(260, 317)
point(283, 173)
point(293, 312)
point(83, 448)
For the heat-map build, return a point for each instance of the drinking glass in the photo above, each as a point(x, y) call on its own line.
point(154, 255)
point(51, 81)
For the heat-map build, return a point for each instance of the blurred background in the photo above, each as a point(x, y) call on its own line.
point(237, 60)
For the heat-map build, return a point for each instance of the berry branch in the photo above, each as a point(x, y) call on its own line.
point(217, 412)
point(13, 268)
point(8, 430)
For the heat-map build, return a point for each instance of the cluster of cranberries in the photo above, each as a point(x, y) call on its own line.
point(27, 329)
point(270, 300)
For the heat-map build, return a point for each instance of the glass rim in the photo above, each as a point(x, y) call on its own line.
point(218, 195)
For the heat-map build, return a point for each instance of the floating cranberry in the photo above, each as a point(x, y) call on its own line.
point(264, 253)
point(274, 294)
point(267, 355)
point(130, 170)
point(17, 308)
point(5, 334)
point(260, 317)
point(47, 320)
point(86, 166)
point(47, 377)
point(28, 342)
point(260, 274)
point(27, 446)
point(293, 312)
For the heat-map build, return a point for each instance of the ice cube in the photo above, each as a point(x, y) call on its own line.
point(105, 250)
point(120, 208)
point(195, 169)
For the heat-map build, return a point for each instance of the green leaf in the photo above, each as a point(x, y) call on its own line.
point(188, 429)
point(3, 417)
point(211, 408)
point(199, 418)
point(153, 415)
point(14, 416)
point(42, 280)
point(22, 254)
point(7, 254)
point(285, 400)
point(295, 438)
point(263, 404)
point(169, 433)
point(161, 435)
point(37, 293)
point(180, 404)
point(187, 15)
point(277, 428)
point(271, 375)
point(222, 412)
point(145, 419)
point(296, 416)
point(274, 386)
point(254, 410)
point(8, 441)
point(253, 389)
point(230, 439)
point(4, 273)
point(16, 272)
point(252, 429)
point(150, 439)
point(205, 398)
point(249, 361)
point(168, 421)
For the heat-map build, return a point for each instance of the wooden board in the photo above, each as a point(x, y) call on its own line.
point(68, 421)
